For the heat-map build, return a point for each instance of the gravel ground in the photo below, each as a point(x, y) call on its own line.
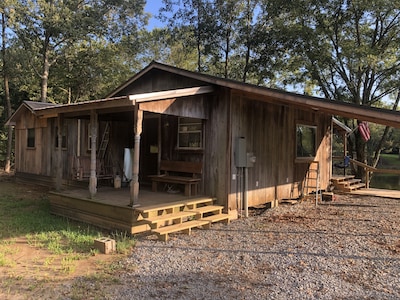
point(347, 249)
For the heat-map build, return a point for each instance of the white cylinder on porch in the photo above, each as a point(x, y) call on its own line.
point(128, 154)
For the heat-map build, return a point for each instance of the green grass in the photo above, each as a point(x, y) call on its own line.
point(29, 216)
point(389, 161)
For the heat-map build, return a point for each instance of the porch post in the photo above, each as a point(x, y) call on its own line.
point(93, 175)
point(136, 153)
point(59, 170)
point(345, 152)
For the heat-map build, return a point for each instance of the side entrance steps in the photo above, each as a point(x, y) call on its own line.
point(183, 216)
point(347, 184)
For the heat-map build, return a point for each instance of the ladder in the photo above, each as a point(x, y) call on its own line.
point(104, 142)
point(312, 181)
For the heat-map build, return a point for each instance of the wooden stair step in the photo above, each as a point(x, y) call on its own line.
point(185, 226)
point(354, 187)
point(216, 209)
point(176, 217)
point(216, 218)
point(341, 178)
point(192, 204)
point(349, 182)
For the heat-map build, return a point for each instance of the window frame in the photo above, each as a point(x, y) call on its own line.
point(312, 149)
point(63, 135)
point(31, 138)
point(188, 126)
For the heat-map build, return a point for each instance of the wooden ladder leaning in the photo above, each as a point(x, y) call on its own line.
point(312, 181)
point(104, 142)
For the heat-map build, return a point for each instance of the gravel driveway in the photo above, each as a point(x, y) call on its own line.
point(347, 249)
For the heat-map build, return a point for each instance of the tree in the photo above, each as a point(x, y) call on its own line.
point(5, 16)
point(344, 50)
point(48, 29)
point(194, 16)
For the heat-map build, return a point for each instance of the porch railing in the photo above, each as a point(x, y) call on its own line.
point(369, 169)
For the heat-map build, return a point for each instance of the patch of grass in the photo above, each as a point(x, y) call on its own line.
point(389, 161)
point(124, 243)
point(30, 217)
point(25, 218)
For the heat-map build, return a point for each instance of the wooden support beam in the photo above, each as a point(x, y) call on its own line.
point(171, 94)
point(138, 117)
point(93, 133)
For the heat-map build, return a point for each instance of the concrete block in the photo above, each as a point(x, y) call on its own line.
point(105, 245)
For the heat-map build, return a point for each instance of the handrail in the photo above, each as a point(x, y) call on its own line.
point(369, 169)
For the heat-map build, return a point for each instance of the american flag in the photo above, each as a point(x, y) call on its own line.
point(364, 130)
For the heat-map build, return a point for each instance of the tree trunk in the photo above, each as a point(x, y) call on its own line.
point(45, 70)
point(7, 167)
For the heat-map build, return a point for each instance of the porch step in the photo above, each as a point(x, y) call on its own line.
point(214, 209)
point(176, 218)
point(185, 226)
point(216, 218)
point(338, 179)
point(354, 187)
point(173, 207)
point(193, 204)
point(182, 216)
point(347, 183)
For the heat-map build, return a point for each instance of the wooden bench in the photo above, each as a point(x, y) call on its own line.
point(179, 172)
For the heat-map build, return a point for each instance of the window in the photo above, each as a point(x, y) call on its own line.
point(63, 136)
point(31, 138)
point(306, 141)
point(190, 133)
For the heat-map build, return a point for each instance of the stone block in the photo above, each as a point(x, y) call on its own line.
point(105, 245)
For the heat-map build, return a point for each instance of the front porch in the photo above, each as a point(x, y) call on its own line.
point(110, 209)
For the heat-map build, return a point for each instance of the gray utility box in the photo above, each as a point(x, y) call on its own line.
point(243, 159)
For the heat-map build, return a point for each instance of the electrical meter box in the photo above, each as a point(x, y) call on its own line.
point(240, 152)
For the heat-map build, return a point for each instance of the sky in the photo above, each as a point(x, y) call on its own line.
point(152, 7)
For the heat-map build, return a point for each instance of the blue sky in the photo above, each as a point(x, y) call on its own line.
point(152, 7)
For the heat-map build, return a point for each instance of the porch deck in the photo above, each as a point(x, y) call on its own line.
point(110, 208)
point(395, 194)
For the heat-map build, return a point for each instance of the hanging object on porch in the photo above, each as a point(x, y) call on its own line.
point(128, 153)
point(364, 130)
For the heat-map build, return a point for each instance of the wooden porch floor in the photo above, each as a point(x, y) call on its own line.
point(110, 208)
point(121, 197)
point(377, 193)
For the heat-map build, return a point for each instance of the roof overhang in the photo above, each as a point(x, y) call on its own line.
point(327, 106)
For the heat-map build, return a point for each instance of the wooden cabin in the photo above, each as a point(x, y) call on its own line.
point(245, 145)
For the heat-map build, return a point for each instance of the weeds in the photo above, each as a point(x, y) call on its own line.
point(26, 217)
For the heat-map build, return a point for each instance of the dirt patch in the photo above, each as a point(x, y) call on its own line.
point(27, 270)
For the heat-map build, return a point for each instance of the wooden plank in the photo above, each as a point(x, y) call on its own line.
point(171, 94)
point(186, 226)
point(216, 218)
point(192, 204)
point(181, 166)
point(176, 217)
point(216, 209)
point(157, 208)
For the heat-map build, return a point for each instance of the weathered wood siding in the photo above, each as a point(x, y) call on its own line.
point(217, 157)
point(270, 132)
point(32, 160)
